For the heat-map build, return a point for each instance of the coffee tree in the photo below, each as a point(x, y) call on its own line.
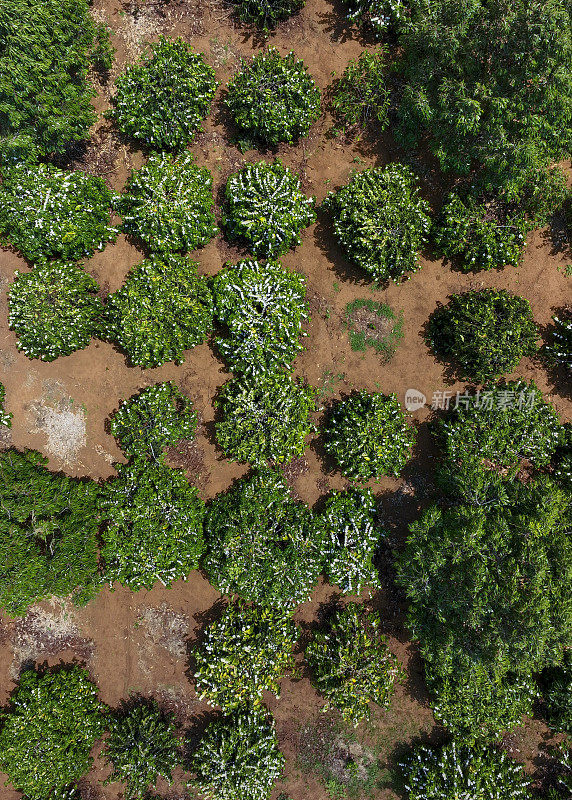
point(48, 731)
point(380, 17)
point(247, 651)
point(162, 309)
point(238, 758)
point(5, 416)
point(348, 519)
point(163, 98)
point(48, 213)
point(261, 544)
point(266, 14)
point(168, 204)
point(273, 98)
point(352, 665)
point(556, 689)
point(153, 525)
point(485, 332)
point(559, 346)
point(263, 308)
point(480, 234)
point(48, 533)
point(266, 208)
point(455, 770)
point(361, 96)
point(368, 436)
point(156, 418)
point(265, 420)
point(380, 221)
point(141, 747)
point(562, 459)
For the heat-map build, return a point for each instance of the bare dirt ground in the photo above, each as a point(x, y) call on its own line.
point(139, 642)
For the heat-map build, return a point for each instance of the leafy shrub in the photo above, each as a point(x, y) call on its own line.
point(562, 460)
point(162, 99)
point(168, 204)
point(480, 235)
point(265, 420)
point(267, 209)
point(48, 731)
point(351, 540)
point(368, 436)
point(48, 533)
point(487, 589)
point(373, 324)
point(158, 417)
point(487, 437)
point(162, 309)
point(141, 746)
point(263, 307)
point(47, 213)
point(486, 332)
point(563, 777)
point(154, 525)
point(238, 758)
point(53, 310)
point(453, 771)
point(559, 346)
point(5, 416)
point(266, 14)
point(273, 98)
point(243, 654)
point(556, 686)
point(352, 665)
point(361, 95)
point(379, 17)
point(380, 221)
point(261, 544)
point(48, 47)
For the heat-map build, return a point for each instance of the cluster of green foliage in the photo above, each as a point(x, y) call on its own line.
point(380, 221)
point(263, 307)
point(455, 771)
point(261, 544)
point(556, 688)
point(141, 747)
point(487, 438)
point(274, 99)
point(162, 309)
point(379, 17)
point(48, 533)
point(489, 602)
point(265, 420)
point(485, 332)
point(154, 525)
point(491, 83)
point(563, 777)
point(247, 651)
point(5, 416)
point(266, 14)
point(266, 208)
point(47, 213)
point(162, 99)
point(48, 730)
point(373, 324)
point(348, 518)
point(562, 460)
point(480, 234)
point(352, 665)
point(238, 758)
point(368, 436)
point(54, 310)
point(559, 346)
point(168, 204)
point(48, 47)
point(361, 95)
point(156, 418)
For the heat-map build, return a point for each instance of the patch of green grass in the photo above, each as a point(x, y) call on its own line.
point(373, 324)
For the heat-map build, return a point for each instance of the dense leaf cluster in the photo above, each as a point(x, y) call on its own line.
point(5, 416)
point(368, 436)
point(266, 208)
point(559, 346)
point(266, 14)
point(54, 310)
point(485, 332)
point(274, 99)
point(379, 17)
point(556, 688)
point(163, 98)
point(380, 221)
point(162, 309)
point(361, 95)
point(168, 204)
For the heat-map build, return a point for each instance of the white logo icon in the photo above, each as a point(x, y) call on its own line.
point(414, 400)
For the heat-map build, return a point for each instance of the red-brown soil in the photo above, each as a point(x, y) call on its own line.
point(109, 634)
